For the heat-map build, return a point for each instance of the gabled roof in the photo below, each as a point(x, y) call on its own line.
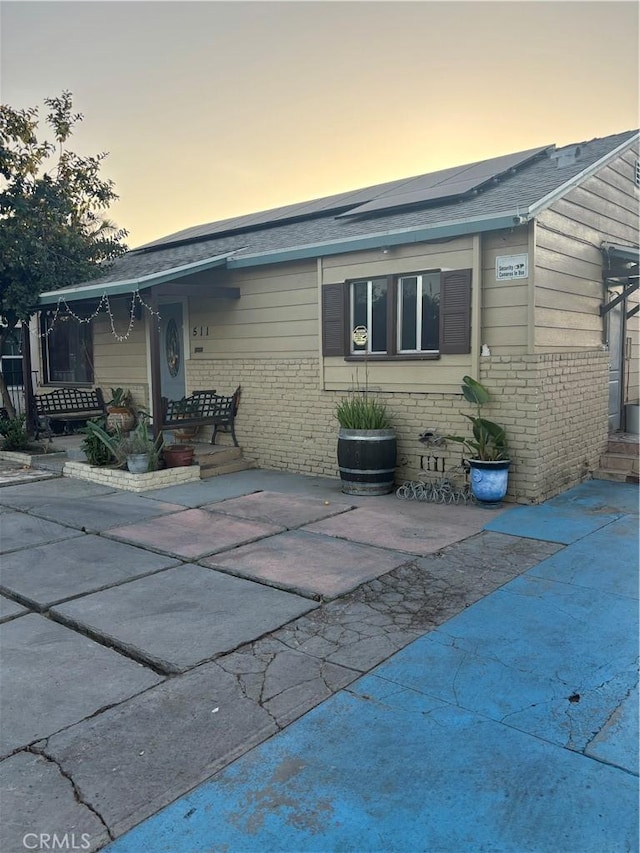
point(483, 196)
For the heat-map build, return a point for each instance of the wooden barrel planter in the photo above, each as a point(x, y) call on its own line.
point(367, 461)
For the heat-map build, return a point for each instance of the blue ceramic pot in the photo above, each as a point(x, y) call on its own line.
point(489, 480)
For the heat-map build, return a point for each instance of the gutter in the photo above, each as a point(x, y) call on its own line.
point(112, 288)
point(384, 239)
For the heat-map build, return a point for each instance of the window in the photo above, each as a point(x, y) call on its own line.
point(419, 313)
point(68, 351)
point(11, 359)
point(416, 315)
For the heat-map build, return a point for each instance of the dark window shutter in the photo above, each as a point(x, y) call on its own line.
point(333, 319)
point(455, 312)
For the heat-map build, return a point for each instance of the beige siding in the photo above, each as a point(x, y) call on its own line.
point(277, 314)
point(568, 261)
point(120, 363)
point(454, 254)
point(442, 375)
point(504, 303)
point(632, 355)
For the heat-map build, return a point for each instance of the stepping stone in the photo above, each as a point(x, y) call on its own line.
point(182, 617)
point(307, 563)
point(192, 533)
point(9, 610)
point(136, 758)
point(99, 512)
point(288, 511)
point(29, 495)
point(411, 527)
point(53, 677)
point(53, 573)
point(18, 530)
point(36, 800)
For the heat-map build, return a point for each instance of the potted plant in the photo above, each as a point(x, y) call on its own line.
point(366, 445)
point(138, 450)
point(120, 415)
point(177, 455)
point(490, 462)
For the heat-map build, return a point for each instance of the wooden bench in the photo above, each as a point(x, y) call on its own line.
point(67, 405)
point(200, 409)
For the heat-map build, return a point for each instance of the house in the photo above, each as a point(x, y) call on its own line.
point(521, 271)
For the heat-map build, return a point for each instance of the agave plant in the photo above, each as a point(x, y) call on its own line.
point(121, 445)
point(489, 443)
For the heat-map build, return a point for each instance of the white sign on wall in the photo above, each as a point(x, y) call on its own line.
point(512, 266)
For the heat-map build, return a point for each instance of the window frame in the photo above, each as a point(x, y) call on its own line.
point(46, 356)
point(393, 353)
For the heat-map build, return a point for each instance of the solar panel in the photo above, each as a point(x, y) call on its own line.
point(275, 215)
point(446, 183)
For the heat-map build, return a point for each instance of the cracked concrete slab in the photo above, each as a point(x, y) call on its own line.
point(203, 492)
point(285, 682)
point(38, 799)
point(41, 577)
point(31, 495)
point(308, 563)
point(131, 760)
point(560, 688)
point(619, 540)
point(282, 510)
point(416, 528)
point(617, 741)
point(396, 770)
point(18, 530)
point(564, 524)
point(9, 610)
point(53, 677)
point(192, 533)
point(362, 629)
point(182, 617)
point(100, 512)
point(600, 496)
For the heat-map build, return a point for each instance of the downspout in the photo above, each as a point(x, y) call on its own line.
point(531, 287)
point(319, 274)
point(476, 304)
point(154, 350)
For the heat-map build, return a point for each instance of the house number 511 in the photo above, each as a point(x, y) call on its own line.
point(200, 332)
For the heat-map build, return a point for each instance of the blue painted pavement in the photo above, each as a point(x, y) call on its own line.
point(513, 727)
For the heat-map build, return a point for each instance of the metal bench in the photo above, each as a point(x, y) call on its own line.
point(67, 405)
point(200, 409)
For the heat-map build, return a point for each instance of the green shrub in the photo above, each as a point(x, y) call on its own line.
point(14, 433)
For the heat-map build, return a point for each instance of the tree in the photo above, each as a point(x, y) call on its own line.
point(53, 230)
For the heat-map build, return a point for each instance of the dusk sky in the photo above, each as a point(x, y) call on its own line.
point(214, 109)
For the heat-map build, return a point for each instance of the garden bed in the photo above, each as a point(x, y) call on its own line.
point(118, 478)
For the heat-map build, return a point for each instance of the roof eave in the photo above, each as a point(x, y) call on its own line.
point(547, 200)
point(383, 239)
point(114, 288)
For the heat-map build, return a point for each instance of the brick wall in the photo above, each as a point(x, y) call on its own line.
point(553, 406)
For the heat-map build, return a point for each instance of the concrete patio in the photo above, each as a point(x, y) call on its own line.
point(149, 642)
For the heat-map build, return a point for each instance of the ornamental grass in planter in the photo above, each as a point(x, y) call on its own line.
point(366, 445)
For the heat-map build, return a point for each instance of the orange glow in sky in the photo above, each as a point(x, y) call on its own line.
point(214, 109)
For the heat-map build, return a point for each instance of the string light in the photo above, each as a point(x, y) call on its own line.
point(103, 303)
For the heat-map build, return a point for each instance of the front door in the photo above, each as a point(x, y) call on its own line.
point(615, 332)
point(172, 370)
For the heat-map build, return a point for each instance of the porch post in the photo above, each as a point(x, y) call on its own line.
point(29, 403)
point(154, 354)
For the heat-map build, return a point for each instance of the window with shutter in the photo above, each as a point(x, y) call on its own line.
point(455, 312)
point(333, 320)
point(413, 315)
